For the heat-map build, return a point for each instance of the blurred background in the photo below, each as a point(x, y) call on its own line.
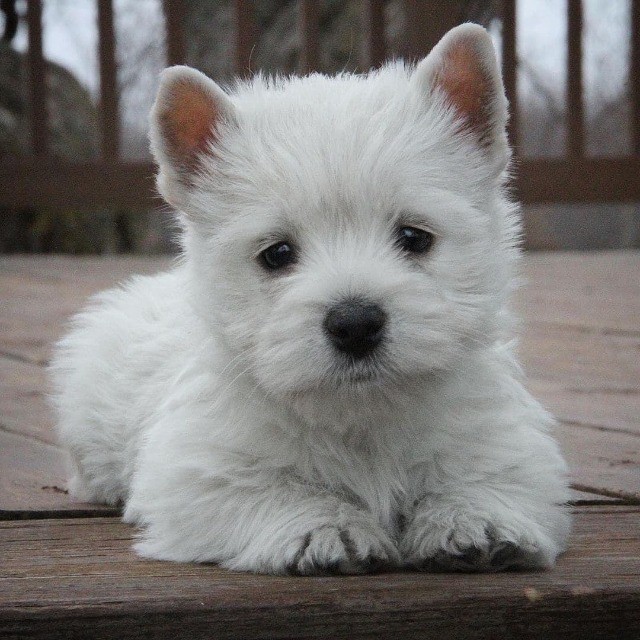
point(78, 77)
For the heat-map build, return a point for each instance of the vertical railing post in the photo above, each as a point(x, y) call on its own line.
point(575, 103)
point(426, 23)
point(308, 30)
point(37, 80)
point(109, 119)
point(374, 49)
point(510, 66)
point(634, 76)
point(245, 35)
point(174, 27)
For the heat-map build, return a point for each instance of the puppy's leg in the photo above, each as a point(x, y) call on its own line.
point(491, 497)
point(482, 530)
point(266, 524)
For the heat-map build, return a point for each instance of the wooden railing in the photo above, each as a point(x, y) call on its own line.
point(42, 180)
point(576, 177)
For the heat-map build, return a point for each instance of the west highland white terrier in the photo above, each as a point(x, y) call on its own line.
point(325, 382)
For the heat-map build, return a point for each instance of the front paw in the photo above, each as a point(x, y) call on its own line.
point(461, 540)
point(347, 548)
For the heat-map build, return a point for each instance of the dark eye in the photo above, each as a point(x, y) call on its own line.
point(278, 256)
point(415, 240)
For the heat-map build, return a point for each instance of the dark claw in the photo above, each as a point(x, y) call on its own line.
point(293, 568)
point(349, 547)
point(508, 556)
point(471, 559)
point(351, 565)
point(503, 556)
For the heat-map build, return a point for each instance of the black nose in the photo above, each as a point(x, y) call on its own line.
point(355, 327)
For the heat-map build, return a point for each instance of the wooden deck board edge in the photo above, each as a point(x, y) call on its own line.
point(99, 511)
point(599, 616)
point(70, 578)
point(624, 498)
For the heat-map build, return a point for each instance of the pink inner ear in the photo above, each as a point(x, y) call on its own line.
point(467, 85)
point(188, 121)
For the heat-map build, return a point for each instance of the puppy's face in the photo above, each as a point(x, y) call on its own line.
point(345, 233)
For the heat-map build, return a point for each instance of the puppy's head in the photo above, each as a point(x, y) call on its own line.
point(346, 232)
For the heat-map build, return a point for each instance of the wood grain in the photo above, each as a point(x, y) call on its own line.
point(606, 463)
point(596, 291)
point(580, 346)
point(38, 294)
point(33, 480)
point(582, 360)
point(75, 577)
point(24, 407)
point(82, 574)
point(611, 408)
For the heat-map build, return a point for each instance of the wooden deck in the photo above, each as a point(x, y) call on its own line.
point(67, 569)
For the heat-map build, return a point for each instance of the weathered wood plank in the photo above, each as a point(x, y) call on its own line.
point(37, 80)
point(575, 95)
point(174, 18)
point(580, 347)
point(374, 47)
point(605, 462)
point(60, 578)
point(245, 36)
point(594, 291)
point(309, 34)
point(578, 180)
point(587, 498)
point(584, 361)
point(105, 270)
point(23, 405)
point(109, 88)
point(33, 479)
point(584, 366)
point(54, 184)
point(26, 466)
point(616, 408)
point(510, 67)
point(634, 76)
point(39, 293)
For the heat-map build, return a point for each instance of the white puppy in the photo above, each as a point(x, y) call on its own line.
point(325, 381)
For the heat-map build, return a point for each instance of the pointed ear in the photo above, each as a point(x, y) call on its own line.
point(463, 69)
point(185, 121)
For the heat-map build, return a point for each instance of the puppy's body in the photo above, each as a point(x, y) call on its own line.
point(221, 404)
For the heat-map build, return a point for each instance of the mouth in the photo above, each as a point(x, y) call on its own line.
point(360, 377)
point(352, 372)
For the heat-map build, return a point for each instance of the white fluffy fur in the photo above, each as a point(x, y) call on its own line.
point(209, 400)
